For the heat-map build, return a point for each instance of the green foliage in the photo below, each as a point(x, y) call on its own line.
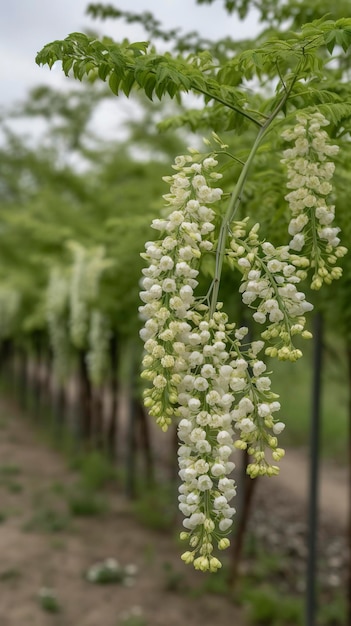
point(276, 12)
point(48, 600)
point(9, 575)
point(127, 65)
point(173, 580)
point(155, 508)
point(9, 470)
point(83, 502)
point(334, 400)
point(295, 61)
point(96, 470)
point(217, 585)
point(8, 474)
point(48, 520)
point(45, 204)
point(334, 612)
point(265, 607)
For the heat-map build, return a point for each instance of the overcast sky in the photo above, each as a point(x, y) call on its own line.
point(26, 25)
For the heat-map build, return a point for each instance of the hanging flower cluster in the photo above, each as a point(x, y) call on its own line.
point(79, 317)
point(205, 400)
point(198, 369)
point(269, 287)
point(87, 269)
point(224, 391)
point(57, 301)
point(72, 313)
point(309, 177)
point(202, 369)
point(170, 279)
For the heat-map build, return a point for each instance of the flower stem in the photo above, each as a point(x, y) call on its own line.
point(236, 196)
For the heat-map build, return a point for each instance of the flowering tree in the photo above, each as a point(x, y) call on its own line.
point(202, 367)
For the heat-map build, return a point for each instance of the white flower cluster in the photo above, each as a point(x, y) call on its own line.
point(171, 278)
point(197, 365)
point(309, 177)
point(57, 299)
point(79, 315)
point(223, 389)
point(269, 286)
point(111, 571)
point(205, 401)
point(87, 269)
point(97, 355)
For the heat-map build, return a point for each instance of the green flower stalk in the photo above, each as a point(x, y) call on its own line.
point(98, 341)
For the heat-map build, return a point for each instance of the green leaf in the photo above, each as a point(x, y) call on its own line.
point(103, 70)
point(114, 83)
point(67, 65)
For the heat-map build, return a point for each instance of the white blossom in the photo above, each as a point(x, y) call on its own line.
point(310, 198)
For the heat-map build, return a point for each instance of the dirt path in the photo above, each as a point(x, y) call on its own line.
point(32, 480)
point(333, 486)
point(41, 547)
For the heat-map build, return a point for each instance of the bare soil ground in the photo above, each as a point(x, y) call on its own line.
point(32, 558)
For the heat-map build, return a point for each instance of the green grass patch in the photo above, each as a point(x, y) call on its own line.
point(47, 520)
point(48, 601)
point(83, 502)
point(96, 470)
point(214, 583)
point(9, 471)
point(14, 487)
point(10, 574)
point(58, 488)
point(8, 475)
point(156, 507)
point(266, 607)
point(173, 580)
point(334, 612)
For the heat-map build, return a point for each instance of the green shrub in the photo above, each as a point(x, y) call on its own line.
point(96, 470)
point(266, 608)
point(84, 502)
point(48, 520)
point(155, 508)
point(48, 600)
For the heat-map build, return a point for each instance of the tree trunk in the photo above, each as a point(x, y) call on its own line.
point(248, 486)
point(146, 443)
point(85, 400)
point(36, 382)
point(348, 591)
point(22, 377)
point(59, 410)
point(311, 587)
point(112, 431)
point(98, 418)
